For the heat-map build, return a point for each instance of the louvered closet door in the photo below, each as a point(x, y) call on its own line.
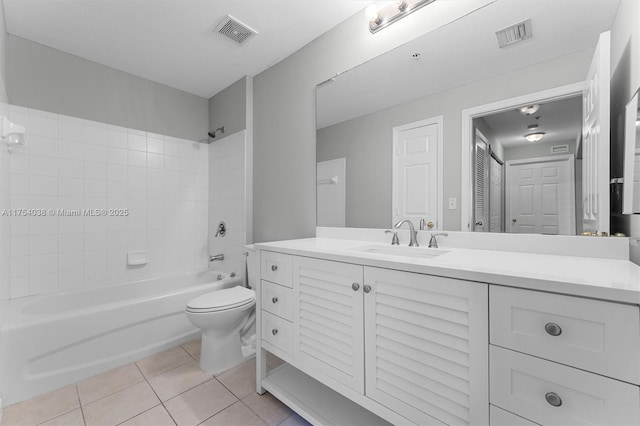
point(426, 347)
point(329, 338)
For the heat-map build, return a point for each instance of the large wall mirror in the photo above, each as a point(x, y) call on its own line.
point(390, 131)
point(631, 188)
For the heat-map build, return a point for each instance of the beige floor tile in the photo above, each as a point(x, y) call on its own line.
point(42, 408)
point(109, 382)
point(164, 361)
point(193, 347)
point(268, 408)
point(120, 406)
point(241, 379)
point(73, 418)
point(236, 415)
point(176, 381)
point(295, 420)
point(199, 403)
point(157, 416)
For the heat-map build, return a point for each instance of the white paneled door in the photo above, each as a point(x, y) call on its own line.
point(541, 196)
point(417, 171)
point(595, 140)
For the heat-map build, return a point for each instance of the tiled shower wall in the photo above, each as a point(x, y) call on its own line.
point(73, 164)
point(227, 198)
point(5, 221)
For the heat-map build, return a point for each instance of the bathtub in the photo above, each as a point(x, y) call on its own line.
point(50, 341)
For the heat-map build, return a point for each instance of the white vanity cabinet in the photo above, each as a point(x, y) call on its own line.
point(558, 360)
point(409, 347)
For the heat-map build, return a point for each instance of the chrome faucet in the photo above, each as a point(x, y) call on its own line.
point(216, 257)
point(433, 242)
point(413, 234)
point(394, 239)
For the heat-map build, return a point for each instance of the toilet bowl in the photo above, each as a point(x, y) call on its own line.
point(220, 315)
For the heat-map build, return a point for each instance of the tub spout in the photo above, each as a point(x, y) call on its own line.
point(216, 257)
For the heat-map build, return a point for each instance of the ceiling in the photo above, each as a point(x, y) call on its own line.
point(561, 120)
point(465, 51)
point(171, 41)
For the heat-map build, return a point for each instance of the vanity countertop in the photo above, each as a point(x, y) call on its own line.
point(606, 279)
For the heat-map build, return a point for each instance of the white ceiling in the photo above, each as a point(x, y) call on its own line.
point(171, 41)
point(561, 121)
point(465, 51)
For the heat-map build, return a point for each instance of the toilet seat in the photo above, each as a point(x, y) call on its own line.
point(221, 300)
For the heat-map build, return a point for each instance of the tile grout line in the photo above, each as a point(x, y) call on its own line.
point(156, 394)
point(84, 421)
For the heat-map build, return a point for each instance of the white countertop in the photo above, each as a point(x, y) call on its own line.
point(606, 279)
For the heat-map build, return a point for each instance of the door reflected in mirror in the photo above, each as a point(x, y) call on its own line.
point(527, 169)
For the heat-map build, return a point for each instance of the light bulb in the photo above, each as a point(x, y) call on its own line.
point(534, 137)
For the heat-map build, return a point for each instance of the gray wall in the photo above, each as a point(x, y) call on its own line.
point(625, 80)
point(47, 79)
point(284, 131)
point(375, 146)
point(228, 108)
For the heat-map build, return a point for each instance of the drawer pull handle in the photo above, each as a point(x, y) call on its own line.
point(355, 286)
point(553, 329)
point(366, 288)
point(553, 399)
point(274, 268)
point(274, 300)
point(274, 331)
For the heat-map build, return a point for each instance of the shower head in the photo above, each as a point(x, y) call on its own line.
point(213, 134)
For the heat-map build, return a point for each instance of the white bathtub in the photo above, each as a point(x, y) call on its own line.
point(53, 340)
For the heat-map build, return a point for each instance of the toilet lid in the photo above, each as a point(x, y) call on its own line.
point(222, 299)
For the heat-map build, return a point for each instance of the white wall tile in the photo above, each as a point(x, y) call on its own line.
point(75, 164)
point(95, 134)
point(70, 128)
point(137, 142)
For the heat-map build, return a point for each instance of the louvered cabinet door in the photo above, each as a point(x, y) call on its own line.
point(328, 318)
point(426, 347)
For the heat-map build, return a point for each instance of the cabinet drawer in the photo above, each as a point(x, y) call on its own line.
point(276, 267)
point(500, 417)
point(277, 300)
point(602, 337)
point(277, 332)
point(527, 386)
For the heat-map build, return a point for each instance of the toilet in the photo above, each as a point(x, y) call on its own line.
point(221, 315)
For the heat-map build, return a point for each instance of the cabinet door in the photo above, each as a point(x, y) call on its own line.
point(328, 341)
point(427, 346)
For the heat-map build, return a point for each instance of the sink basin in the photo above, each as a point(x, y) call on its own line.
point(419, 252)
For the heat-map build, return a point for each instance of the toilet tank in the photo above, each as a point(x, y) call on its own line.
point(252, 266)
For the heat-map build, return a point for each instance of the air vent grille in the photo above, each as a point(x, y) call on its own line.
point(514, 34)
point(235, 30)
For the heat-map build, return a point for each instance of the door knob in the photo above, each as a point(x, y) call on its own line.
point(514, 220)
point(430, 225)
point(479, 223)
point(274, 331)
point(355, 286)
point(274, 268)
point(366, 288)
point(274, 300)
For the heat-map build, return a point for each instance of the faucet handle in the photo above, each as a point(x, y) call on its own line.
point(394, 239)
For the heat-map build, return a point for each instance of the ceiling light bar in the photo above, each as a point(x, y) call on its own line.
point(380, 18)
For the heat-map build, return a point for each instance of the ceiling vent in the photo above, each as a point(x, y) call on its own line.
point(235, 30)
point(514, 34)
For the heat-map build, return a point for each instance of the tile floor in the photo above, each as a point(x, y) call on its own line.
point(167, 388)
